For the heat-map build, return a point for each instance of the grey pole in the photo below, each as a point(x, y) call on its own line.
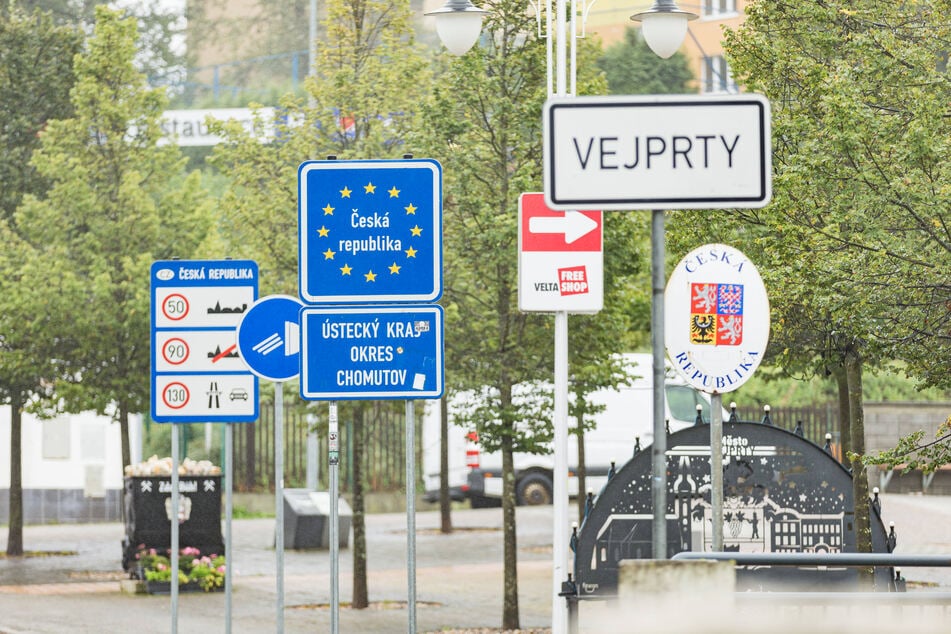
point(659, 447)
point(279, 498)
point(173, 518)
point(333, 462)
point(229, 513)
point(716, 468)
point(411, 515)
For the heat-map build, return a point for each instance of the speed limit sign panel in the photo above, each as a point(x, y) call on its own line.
point(198, 374)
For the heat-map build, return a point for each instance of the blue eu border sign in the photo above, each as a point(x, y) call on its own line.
point(369, 352)
point(198, 374)
point(370, 231)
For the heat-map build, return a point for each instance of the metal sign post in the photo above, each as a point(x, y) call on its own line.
point(716, 468)
point(333, 460)
point(279, 498)
point(411, 515)
point(659, 446)
point(229, 513)
point(173, 518)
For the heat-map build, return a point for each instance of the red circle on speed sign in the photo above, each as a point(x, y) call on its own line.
point(175, 351)
point(175, 307)
point(175, 395)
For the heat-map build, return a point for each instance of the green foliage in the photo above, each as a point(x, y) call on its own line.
point(632, 68)
point(857, 236)
point(117, 202)
point(372, 73)
point(36, 74)
point(159, 26)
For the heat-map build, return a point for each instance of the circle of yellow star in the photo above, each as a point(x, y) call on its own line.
point(395, 268)
point(345, 192)
point(369, 188)
point(329, 255)
point(345, 269)
point(411, 252)
point(323, 232)
point(410, 209)
point(394, 193)
point(328, 210)
point(416, 231)
point(371, 276)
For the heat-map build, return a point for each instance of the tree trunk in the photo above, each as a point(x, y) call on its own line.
point(360, 592)
point(845, 418)
point(510, 619)
point(863, 532)
point(445, 516)
point(123, 415)
point(15, 529)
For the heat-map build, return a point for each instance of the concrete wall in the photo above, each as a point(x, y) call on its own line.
point(885, 423)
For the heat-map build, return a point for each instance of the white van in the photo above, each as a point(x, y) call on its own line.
point(625, 424)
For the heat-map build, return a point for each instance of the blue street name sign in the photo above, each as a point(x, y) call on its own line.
point(370, 231)
point(269, 337)
point(198, 374)
point(372, 353)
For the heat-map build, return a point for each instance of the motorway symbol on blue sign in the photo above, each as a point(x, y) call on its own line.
point(197, 374)
point(370, 231)
point(393, 352)
point(269, 337)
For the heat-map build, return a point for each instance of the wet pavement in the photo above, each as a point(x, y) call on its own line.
point(458, 579)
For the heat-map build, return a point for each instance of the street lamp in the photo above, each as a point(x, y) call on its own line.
point(664, 26)
point(458, 23)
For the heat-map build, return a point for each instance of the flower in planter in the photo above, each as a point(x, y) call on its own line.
point(205, 571)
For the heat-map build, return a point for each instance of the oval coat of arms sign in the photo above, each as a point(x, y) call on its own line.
point(716, 318)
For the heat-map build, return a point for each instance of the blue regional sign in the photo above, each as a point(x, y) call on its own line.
point(372, 353)
point(370, 231)
point(269, 337)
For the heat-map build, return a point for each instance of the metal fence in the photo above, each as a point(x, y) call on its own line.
point(385, 442)
point(816, 421)
point(384, 446)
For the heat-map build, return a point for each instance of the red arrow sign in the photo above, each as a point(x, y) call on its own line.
point(545, 229)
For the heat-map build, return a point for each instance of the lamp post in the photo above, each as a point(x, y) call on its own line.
point(664, 27)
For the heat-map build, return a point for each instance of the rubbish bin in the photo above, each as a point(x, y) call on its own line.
point(148, 509)
point(307, 519)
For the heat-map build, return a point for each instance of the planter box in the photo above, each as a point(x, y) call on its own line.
point(148, 515)
point(165, 587)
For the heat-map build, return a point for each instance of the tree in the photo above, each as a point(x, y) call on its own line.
point(36, 75)
point(117, 201)
point(854, 246)
point(632, 68)
point(159, 26)
point(373, 82)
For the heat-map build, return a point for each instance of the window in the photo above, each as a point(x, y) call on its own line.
point(718, 8)
point(715, 75)
point(682, 401)
point(56, 438)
